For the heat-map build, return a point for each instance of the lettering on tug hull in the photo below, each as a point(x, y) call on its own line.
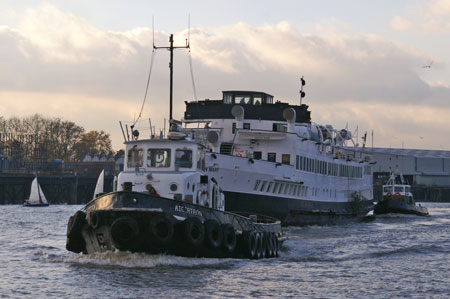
point(187, 210)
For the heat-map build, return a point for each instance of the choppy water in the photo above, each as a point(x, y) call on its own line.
point(393, 256)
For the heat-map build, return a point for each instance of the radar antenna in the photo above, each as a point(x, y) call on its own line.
point(302, 93)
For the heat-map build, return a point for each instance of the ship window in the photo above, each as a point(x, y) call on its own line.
point(257, 155)
point(257, 100)
point(398, 189)
point(282, 188)
point(269, 99)
point(201, 159)
point(275, 188)
point(243, 100)
point(135, 157)
point(262, 186)
point(269, 187)
point(158, 157)
point(407, 189)
point(227, 99)
point(286, 159)
point(279, 127)
point(294, 190)
point(233, 128)
point(256, 185)
point(387, 189)
point(183, 158)
point(246, 126)
point(272, 157)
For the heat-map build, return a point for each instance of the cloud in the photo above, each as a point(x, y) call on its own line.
point(400, 23)
point(430, 18)
point(57, 63)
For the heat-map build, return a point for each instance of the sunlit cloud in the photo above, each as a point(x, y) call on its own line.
point(58, 64)
point(432, 17)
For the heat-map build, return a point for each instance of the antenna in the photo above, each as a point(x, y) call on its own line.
point(189, 32)
point(153, 29)
point(171, 48)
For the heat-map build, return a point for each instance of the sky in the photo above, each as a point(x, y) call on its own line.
point(364, 61)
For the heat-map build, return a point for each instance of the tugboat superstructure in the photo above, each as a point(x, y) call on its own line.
point(271, 159)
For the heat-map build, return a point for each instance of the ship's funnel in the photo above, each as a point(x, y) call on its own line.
point(290, 115)
point(238, 112)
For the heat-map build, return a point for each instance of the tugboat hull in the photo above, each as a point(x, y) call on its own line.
point(386, 206)
point(138, 222)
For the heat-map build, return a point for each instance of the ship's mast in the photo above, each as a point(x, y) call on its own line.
point(171, 48)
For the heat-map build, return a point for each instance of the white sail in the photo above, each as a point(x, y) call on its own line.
point(100, 182)
point(36, 194)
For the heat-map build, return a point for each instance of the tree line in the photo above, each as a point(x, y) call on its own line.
point(49, 138)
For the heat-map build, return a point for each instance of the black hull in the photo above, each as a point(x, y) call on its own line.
point(298, 212)
point(139, 222)
point(387, 206)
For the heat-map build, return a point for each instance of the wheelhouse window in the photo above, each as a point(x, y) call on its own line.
point(398, 189)
point(183, 158)
point(387, 189)
point(135, 157)
point(286, 159)
point(271, 157)
point(257, 155)
point(243, 100)
point(227, 99)
point(159, 158)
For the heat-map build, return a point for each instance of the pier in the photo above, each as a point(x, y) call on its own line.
point(58, 188)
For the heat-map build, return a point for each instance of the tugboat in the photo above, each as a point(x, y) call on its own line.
point(165, 202)
point(397, 198)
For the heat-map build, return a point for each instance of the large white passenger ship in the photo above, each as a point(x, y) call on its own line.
point(270, 159)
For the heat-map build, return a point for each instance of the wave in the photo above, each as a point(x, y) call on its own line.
point(292, 255)
point(125, 259)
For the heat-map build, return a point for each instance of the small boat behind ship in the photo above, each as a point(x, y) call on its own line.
point(397, 198)
point(37, 197)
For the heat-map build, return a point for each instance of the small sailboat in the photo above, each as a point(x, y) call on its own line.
point(37, 197)
point(99, 187)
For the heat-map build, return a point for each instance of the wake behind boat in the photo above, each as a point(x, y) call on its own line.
point(37, 197)
point(397, 198)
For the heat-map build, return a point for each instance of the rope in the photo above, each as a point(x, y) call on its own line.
point(146, 89)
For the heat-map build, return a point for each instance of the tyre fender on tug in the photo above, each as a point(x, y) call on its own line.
point(250, 244)
point(229, 238)
point(213, 233)
point(95, 220)
point(261, 246)
point(161, 230)
point(193, 231)
point(75, 241)
point(124, 232)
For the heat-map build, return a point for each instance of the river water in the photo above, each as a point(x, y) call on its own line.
point(393, 256)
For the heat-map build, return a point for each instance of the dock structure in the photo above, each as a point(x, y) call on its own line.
point(58, 188)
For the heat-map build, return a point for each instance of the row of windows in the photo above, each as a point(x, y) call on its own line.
point(281, 188)
point(327, 168)
point(160, 158)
